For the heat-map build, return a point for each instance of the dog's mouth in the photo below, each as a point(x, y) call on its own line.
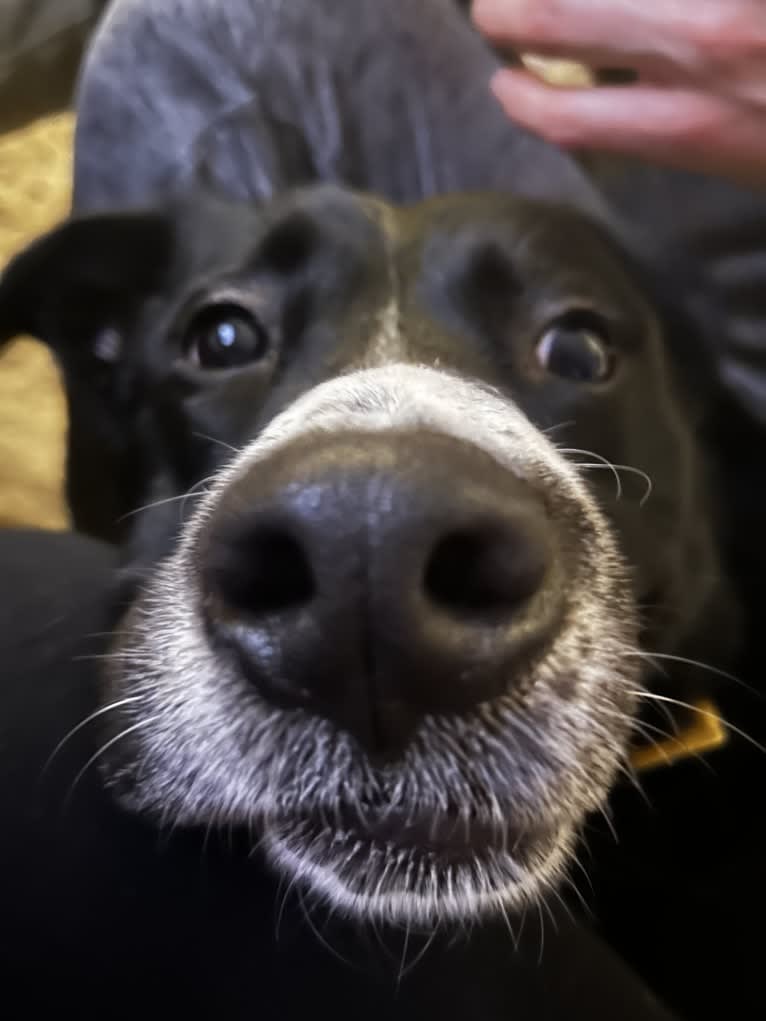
point(442, 838)
point(422, 869)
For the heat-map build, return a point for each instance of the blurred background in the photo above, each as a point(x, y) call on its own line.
point(35, 181)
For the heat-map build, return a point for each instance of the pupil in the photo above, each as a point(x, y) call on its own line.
point(576, 356)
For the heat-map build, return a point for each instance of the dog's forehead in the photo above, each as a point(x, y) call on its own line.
point(360, 227)
point(498, 239)
point(481, 216)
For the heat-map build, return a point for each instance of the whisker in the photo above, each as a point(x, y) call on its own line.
point(642, 730)
point(421, 953)
point(220, 443)
point(322, 939)
point(645, 730)
point(542, 932)
point(255, 845)
point(576, 861)
point(604, 812)
point(211, 824)
point(403, 961)
point(509, 927)
point(666, 758)
point(283, 904)
point(105, 748)
point(550, 913)
point(615, 469)
point(650, 657)
point(636, 724)
point(628, 771)
point(83, 723)
point(604, 463)
point(168, 825)
point(183, 497)
point(160, 503)
point(558, 425)
point(631, 471)
point(702, 712)
point(584, 905)
point(563, 903)
point(116, 655)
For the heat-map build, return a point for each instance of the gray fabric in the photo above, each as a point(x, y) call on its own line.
point(254, 95)
point(41, 44)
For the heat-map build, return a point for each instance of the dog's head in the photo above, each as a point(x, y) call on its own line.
point(414, 481)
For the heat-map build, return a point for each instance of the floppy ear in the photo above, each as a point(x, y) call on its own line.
point(77, 290)
point(72, 282)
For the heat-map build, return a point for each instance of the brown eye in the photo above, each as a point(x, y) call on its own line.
point(224, 337)
point(577, 351)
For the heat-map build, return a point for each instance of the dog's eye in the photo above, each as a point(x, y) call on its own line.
point(223, 337)
point(576, 350)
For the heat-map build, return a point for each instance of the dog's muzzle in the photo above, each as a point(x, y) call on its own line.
point(377, 579)
point(392, 640)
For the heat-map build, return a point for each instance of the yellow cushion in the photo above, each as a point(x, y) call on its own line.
point(35, 189)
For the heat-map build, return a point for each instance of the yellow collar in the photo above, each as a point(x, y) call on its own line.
point(704, 733)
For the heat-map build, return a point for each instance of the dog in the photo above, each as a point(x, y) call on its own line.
point(249, 388)
point(412, 494)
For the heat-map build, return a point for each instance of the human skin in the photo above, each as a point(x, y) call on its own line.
point(698, 100)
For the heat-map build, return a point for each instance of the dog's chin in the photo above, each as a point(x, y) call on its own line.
point(418, 871)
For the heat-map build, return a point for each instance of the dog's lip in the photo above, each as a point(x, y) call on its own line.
point(444, 835)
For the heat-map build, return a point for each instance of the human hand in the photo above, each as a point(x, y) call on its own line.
point(699, 100)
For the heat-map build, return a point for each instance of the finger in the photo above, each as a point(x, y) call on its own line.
point(625, 117)
point(653, 36)
point(676, 126)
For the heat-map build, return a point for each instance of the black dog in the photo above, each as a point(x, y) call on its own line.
point(380, 627)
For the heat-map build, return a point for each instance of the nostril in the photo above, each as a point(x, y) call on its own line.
point(263, 571)
point(484, 571)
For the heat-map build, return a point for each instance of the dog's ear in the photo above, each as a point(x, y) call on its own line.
point(77, 289)
point(71, 284)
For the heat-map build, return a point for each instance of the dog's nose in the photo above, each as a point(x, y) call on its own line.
point(376, 579)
